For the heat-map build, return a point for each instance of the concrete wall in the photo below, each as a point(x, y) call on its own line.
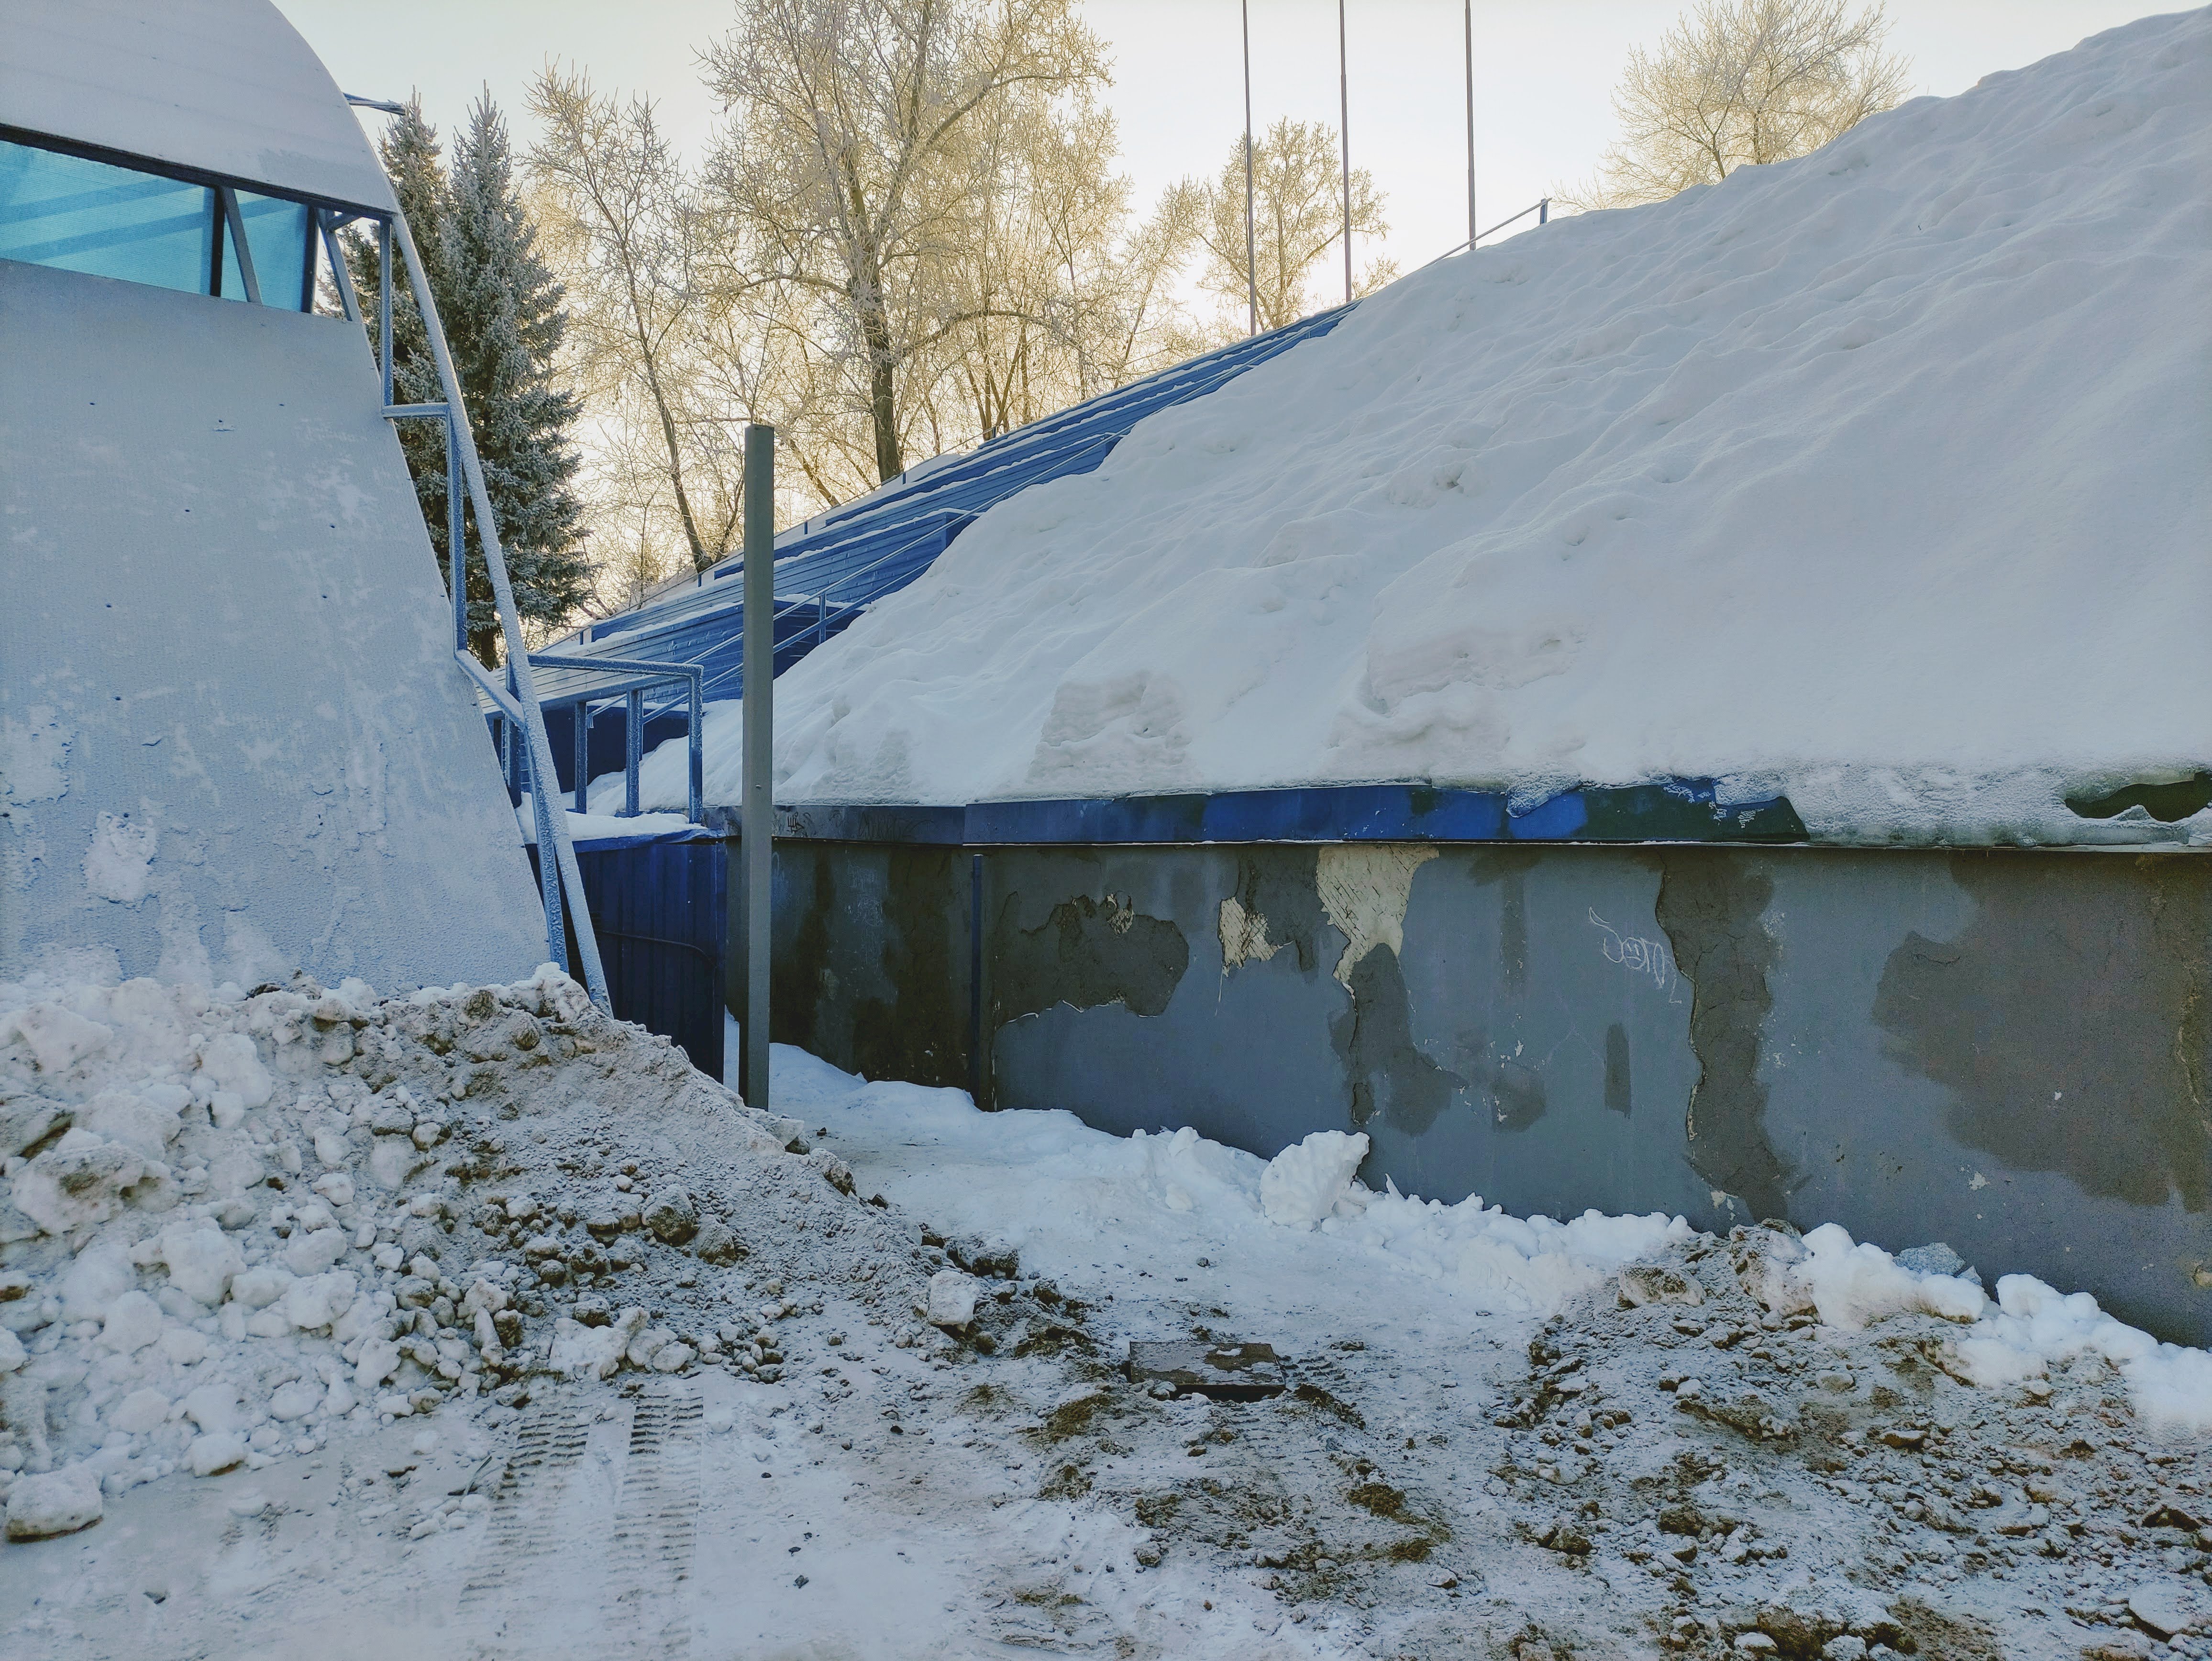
point(233, 738)
point(2007, 1050)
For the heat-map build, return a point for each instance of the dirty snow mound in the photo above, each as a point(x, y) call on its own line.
point(233, 1230)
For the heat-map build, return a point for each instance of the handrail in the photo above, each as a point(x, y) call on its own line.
point(557, 852)
point(491, 688)
point(695, 679)
point(1541, 208)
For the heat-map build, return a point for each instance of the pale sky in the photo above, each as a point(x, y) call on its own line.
point(1544, 74)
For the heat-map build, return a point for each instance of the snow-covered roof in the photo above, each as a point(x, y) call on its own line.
point(224, 86)
point(1874, 479)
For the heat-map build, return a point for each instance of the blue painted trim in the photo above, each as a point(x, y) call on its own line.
point(1677, 811)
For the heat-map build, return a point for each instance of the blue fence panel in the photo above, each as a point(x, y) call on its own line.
point(661, 910)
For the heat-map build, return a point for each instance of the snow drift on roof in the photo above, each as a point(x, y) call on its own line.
point(1877, 477)
point(225, 86)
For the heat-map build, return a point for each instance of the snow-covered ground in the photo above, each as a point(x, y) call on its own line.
point(559, 1409)
point(1866, 478)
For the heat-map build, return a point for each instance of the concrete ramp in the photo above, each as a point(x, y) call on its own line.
point(232, 739)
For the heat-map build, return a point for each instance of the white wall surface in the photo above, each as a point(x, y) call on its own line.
point(233, 738)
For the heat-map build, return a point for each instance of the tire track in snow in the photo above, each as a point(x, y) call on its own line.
point(527, 1504)
point(655, 1526)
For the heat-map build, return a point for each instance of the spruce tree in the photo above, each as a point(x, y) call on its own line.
point(501, 310)
point(504, 321)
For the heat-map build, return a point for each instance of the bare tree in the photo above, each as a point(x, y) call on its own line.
point(851, 153)
point(1297, 217)
point(1738, 82)
point(913, 237)
point(621, 220)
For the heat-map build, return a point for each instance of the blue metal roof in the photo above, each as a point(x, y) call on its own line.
point(828, 570)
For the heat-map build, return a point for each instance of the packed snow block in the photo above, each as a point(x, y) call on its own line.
point(952, 1301)
point(55, 1502)
point(1304, 1184)
point(235, 740)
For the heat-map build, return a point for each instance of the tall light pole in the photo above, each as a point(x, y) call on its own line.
point(1472, 230)
point(1344, 122)
point(1251, 258)
point(757, 808)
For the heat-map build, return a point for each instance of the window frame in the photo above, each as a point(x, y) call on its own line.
point(324, 216)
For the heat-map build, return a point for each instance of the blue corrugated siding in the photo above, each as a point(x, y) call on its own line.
point(660, 907)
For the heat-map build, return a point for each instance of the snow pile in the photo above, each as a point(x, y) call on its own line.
point(1510, 1265)
point(1852, 477)
point(1304, 1184)
point(1036, 1176)
point(2028, 1328)
point(232, 1228)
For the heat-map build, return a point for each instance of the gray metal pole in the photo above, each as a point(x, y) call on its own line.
point(1251, 260)
point(1471, 220)
point(758, 806)
point(1344, 136)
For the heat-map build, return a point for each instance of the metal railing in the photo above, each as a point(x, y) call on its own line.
point(642, 674)
point(560, 878)
point(1541, 208)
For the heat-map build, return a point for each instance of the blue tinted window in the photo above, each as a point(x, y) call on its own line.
point(276, 232)
point(88, 216)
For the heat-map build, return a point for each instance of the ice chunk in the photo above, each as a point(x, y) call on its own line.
point(100, 1274)
point(185, 1346)
point(582, 1352)
point(336, 1186)
point(120, 1116)
point(311, 1253)
point(79, 1182)
point(55, 1502)
point(379, 1361)
point(319, 1300)
point(1854, 1286)
point(55, 1037)
point(202, 1260)
point(11, 1351)
point(260, 1287)
point(134, 1320)
point(213, 1407)
point(231, 1062)
point(217, 1452)
point(140, 1411)
point(951, 1298)
point(1303, 1184)
point(295, 1400)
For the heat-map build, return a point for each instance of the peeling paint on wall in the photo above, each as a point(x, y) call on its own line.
point(1713, 910)
point(1087, 952)
point(1364, 887)
point(1276, 908)
point(1387, 1072)
point(1243, 936)
point(2058, 972)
